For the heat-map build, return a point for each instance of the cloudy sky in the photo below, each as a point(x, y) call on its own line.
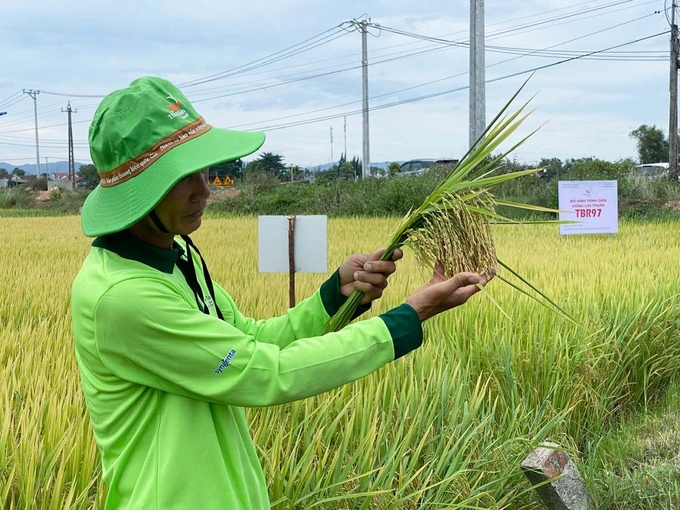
point(293, 69)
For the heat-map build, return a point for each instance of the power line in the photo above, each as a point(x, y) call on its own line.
point(26, 139)
point(441, 93)
point(519, 51)
point(326, 37)
point(584, 55)
point(43, 127)
point(47, 144)
point(63, 94)
point(23, 116)
point(467, 44)
point(295, 49)
point(15, 101)
point(568, 16)
point(499, 49)
point(4, 101)
point(274, 57)
point(373, 52)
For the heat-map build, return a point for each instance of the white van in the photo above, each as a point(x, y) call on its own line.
point(653, 169)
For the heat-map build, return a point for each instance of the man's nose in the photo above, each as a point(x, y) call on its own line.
point(201, 189)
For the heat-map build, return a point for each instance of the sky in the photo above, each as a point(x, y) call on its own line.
point(582, 108)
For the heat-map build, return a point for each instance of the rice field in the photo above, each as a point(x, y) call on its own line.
point(445, 427)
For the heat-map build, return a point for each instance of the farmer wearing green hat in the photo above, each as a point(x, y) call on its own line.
point(167, 361)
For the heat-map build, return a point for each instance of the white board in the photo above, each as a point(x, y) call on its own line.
point(593, 204)
point(310, 243)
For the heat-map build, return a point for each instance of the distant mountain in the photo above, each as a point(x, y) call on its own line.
point(56, 166)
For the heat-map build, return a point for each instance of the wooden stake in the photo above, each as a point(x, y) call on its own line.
point(291, 259)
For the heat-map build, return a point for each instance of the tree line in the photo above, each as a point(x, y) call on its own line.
point(651, 143)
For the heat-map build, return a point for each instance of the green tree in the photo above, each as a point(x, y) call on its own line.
point(356, 167)
point(18, 172)
point(652, 145)
point(4, 173)
point(344, 172)
point(393, 169)
point(593, 169)
point(295, 173)
point(272, 163)
point(89, 172)
point(553, 168)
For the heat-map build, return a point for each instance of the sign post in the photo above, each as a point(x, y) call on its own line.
point(292, 244)
point(291, 260)
point(592, 204)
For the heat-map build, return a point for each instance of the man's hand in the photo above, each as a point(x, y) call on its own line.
point(440, 294)
point(366, 273)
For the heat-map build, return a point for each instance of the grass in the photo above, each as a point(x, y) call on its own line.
point(637, 464)
point(31, 213)
point(445, 427)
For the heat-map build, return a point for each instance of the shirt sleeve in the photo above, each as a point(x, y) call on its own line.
point(148, 334)
point(308, 318)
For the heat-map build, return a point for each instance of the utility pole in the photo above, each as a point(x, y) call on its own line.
point(364, 74)
point(673, 117)
point(363, 27)
point(71, 158)
point(477, 117)
point(34, 95)
point(332, 145)
point(345, 128)
point(47, 168)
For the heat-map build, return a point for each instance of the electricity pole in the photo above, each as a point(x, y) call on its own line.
point(47, 168)
point(477, 117)
point(332, 145)
point(345, 128)
point(673, 117)
point(363, 27)
point(71, 158)
point(364, 74)
point(34, 95)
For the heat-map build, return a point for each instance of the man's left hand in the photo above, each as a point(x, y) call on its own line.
point(366, 273)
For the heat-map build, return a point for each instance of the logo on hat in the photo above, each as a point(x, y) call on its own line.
point(176, 109)
point(174, 106)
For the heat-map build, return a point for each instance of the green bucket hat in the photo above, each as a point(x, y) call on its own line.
point(143, 140)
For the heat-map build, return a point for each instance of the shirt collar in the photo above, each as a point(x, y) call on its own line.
point(129, 247)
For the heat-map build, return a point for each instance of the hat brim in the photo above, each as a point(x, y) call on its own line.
point(112, 209)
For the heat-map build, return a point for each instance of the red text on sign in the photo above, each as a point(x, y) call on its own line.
point(588, 213)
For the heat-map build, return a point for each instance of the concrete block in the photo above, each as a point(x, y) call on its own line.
point(565, 489)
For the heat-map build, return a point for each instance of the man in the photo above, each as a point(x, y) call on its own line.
point(166, 359)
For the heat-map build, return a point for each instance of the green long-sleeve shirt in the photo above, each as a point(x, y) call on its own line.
point(165, 383)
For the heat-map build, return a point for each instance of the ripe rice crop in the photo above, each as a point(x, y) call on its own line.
point(444, 427)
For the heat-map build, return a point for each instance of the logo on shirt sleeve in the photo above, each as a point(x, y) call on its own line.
point(225, 362)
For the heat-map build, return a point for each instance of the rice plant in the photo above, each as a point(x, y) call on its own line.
point(450, 227)
point(444, 427)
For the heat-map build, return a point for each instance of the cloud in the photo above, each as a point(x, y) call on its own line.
point(96, 46)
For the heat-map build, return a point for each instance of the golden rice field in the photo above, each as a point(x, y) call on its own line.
point(445, 427)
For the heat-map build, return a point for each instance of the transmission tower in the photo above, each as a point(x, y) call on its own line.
point(71, 159)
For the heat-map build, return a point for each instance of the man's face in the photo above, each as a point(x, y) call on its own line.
point(182, 208)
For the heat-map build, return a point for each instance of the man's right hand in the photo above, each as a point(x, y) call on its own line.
point(440, 294)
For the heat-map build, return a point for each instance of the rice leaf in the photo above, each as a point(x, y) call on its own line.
point(451, 226)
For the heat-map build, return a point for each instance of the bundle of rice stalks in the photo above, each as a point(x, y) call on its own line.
point(456, 237)
point(451, 227)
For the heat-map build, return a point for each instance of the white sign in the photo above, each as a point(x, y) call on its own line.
point(310, 245)
point(593, 204)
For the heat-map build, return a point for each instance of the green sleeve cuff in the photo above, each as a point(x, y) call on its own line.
point(333, 299)
point(405, 329)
